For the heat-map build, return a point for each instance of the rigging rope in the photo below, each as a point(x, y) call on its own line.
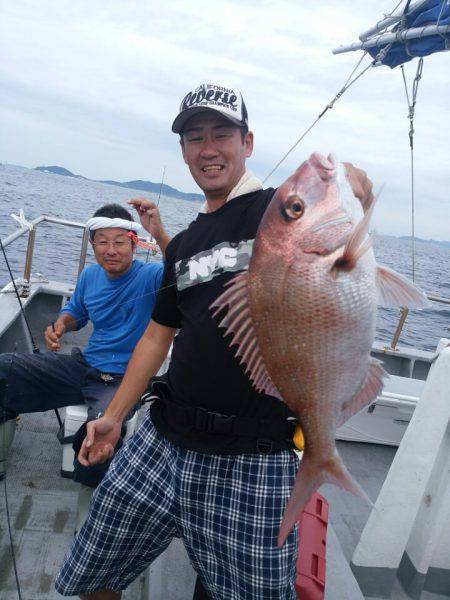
point(411, 111)
point(349, 82)
point(327, 107)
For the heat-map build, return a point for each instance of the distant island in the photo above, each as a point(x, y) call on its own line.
point(139, 184)
point(58, 171)
point(421, 241)
point(149, 186)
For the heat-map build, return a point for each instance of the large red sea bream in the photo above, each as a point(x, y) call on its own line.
point(303, 315)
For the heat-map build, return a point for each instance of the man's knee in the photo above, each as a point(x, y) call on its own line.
point(6, 359)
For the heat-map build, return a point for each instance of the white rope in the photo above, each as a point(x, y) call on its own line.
point(21, 220)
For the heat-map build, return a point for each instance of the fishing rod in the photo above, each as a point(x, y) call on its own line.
point(35, 348)
point(160, 187)
point(157, 204)
point(22, 311)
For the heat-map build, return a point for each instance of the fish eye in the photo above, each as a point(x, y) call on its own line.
point(293, 208)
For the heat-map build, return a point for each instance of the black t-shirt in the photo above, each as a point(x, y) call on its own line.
point(203, 370)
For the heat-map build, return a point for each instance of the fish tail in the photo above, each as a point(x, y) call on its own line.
point(310, 476)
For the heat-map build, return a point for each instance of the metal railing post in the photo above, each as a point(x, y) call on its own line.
point(83, 251)
point(403, 314)
point(29, 256)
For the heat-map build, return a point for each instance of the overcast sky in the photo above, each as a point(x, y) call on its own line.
point(94, 86)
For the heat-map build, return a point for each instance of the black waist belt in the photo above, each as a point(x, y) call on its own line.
point(212, 422)
point(195, 417)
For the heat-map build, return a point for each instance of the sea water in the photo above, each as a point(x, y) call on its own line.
point(57, 247)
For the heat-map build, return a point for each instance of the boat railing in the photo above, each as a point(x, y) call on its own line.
point(31, 231)
point(402, 318)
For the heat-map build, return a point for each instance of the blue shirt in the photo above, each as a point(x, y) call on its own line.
point(119, 310)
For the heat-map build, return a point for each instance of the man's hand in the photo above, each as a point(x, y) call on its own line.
point(101, 438)
point(52, 335)
point(151, 220)
point(149, 216)
point(360, 184)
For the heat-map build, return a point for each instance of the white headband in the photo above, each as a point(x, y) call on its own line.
point(106, 222)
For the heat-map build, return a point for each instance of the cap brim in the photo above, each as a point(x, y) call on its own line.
point(182, 118)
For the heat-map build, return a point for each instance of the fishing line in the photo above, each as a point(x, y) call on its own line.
point(33, 343)
point(5, 490)
point(133, 300)
point(35, 348)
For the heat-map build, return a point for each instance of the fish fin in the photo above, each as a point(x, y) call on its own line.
point(310, 477)
point(357, 244)
point(395, 290)
point(369, 390)
point(238, 321)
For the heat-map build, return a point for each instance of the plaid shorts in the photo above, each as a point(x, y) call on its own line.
point(226, 509)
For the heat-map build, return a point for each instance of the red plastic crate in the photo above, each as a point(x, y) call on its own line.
point(311, 561)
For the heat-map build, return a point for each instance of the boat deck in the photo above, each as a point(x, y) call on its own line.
point(42, 507)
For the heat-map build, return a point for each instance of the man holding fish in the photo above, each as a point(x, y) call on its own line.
point(214, 461)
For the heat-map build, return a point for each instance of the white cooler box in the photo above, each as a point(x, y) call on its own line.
point(74, 418)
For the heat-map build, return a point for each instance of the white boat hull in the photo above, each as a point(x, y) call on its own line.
point(385, 420)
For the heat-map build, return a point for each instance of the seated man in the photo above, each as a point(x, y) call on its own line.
point(117, 295)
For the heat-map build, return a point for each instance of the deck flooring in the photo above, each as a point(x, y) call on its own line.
point(42, 507)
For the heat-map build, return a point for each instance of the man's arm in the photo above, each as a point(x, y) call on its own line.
point(54, 332)
point(145, 362)
point(103, 434)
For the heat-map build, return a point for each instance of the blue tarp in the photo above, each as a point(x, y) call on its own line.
point(428, 14)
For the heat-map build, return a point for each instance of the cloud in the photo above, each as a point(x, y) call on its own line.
point(94, 86)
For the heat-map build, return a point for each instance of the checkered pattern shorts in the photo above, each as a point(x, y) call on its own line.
point(226, 509)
